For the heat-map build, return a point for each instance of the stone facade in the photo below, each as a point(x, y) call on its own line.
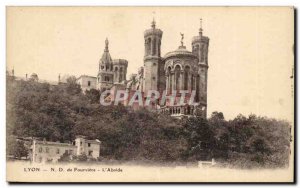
point(177, 70)
point(110, 71)
point(152, 59)
point(87, 82)
point(89, 147)
point(45, 151)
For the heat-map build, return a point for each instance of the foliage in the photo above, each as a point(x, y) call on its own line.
point(59, 113)
point(251, 142)
point(82, 157)
point(65, 157)
point(93, 95)
point(17, 149)
point(200, 138)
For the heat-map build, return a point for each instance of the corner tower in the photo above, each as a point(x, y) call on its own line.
point(200, 45)
point(153, 69)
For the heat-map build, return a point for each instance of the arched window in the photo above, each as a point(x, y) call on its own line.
point(196, 49)
point(202, 53)
point(115, 74)
point(170, 80)
point(177, 77)
point(158, 45)
point(186, 77)
point(154, 47)
point(197, 88)
point(120, 77)
point(192, 82)
point(148, 46)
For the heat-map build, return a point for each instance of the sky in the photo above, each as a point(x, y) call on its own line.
point(250, 51)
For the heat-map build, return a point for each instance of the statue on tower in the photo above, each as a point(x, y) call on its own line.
point(182, 37)
point(106, 45)
point(200, 30)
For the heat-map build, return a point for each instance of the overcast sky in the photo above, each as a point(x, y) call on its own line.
point(250, 52)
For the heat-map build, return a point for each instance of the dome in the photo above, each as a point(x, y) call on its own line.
point(181, 51)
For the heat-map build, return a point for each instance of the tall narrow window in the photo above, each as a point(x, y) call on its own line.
point(186, 77)
point(177, 77)
point(89, 83)
point(158, 45)
point(148, 46)
point(154, 47)
point(169, 80)
point(121, 74)
point(202, 53)
point(192, 82)
point(197, 88)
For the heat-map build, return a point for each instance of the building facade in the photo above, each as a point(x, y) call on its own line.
point(45, 151)
point(176, 71)
point(111, 71)
point(87, 82)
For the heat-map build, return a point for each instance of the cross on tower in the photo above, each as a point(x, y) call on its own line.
point(153, 22)
point(200, 30)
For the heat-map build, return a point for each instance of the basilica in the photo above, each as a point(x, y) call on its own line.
point(175, 71)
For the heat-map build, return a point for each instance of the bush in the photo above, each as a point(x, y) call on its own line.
point(82, 157)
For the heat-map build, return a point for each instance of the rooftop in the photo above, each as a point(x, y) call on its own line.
point(181, 51)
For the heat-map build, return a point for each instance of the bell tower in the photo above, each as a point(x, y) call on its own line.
point(200, 45)
point(153, 69)
point(105, 73)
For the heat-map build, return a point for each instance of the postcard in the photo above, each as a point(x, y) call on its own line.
point(150, 94)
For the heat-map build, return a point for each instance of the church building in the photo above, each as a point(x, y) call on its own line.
point(175, 71)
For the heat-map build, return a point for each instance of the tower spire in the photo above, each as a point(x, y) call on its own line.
point(153, 23)
point(200, 30)
point(106, 45)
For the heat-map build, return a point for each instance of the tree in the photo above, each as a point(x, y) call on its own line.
point(200, 138)
point(93, 95)
point(217, 116)
point(59, 113)
point(82, 157)
point(65, 157)
point(18, 150)
point(73, 87)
